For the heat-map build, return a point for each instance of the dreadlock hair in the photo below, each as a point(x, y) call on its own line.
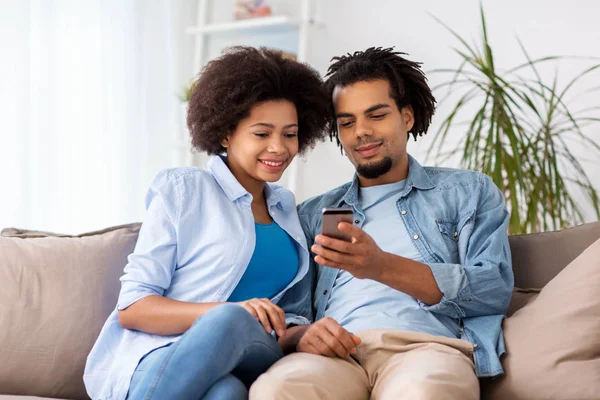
point(407, 81)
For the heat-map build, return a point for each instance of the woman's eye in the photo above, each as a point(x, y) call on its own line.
point(261, 134)
point(291, 135)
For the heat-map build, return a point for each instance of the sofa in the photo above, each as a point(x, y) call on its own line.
point(57, 290)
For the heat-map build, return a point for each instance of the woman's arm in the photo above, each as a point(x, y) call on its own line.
point(162, 316)
point(142, 305)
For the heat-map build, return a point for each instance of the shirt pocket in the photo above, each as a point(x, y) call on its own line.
point(451, 231)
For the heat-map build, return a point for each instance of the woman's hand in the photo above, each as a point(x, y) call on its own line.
point(271, 316)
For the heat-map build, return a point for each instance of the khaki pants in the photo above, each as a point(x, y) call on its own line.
point(389, 364)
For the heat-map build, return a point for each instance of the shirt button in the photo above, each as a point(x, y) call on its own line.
point(325, 291)
point(356, 221)
point(403, 212)
point(416, 237)
point(455, 234)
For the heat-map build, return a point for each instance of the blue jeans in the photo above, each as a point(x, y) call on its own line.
point(217, 358)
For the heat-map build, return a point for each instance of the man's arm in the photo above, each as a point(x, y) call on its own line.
point(481, 285)
point(411, 277)
point(365, 260)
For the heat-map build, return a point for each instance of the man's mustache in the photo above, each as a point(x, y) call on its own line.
point(362, 142)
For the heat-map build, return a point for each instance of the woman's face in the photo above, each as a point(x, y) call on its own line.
point(264, 144)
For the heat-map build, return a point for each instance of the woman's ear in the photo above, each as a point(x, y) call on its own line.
point(408, 115)
point(225, 142)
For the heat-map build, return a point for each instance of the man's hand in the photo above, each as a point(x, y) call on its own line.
point(271, 316)
point(326, 337)
point(362, 257)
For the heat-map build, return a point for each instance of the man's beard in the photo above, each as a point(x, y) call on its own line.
point(375, 169)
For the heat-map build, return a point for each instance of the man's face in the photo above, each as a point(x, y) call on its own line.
point(373, 131)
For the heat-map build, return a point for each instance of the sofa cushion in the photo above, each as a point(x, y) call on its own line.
point(538, 257)
point(553, 343)
point(520, 298)
point(56, 292)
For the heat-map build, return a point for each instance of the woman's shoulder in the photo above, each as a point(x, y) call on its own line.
point(182, 175)
point(181, 181)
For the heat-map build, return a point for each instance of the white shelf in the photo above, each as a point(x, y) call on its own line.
point(246, 24)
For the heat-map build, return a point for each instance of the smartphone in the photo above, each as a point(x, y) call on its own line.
point(332, 217)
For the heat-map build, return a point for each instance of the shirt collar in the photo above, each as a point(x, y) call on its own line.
point(273, 195)
point(232, 188)
point(417, 178)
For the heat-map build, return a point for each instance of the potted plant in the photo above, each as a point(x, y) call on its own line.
point(515, 127)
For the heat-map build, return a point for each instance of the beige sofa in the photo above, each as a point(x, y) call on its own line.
point(56, 292)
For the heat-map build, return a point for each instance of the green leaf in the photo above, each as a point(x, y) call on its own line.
point(516, 129)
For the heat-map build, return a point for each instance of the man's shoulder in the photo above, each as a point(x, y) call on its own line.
point(331, 198)
point(472, 186)
point(445, 178)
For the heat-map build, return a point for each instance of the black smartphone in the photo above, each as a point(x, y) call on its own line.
point(332, 217)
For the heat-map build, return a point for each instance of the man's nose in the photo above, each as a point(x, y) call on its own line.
point(363, 128)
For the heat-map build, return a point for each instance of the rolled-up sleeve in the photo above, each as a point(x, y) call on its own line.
point(150, 267)
point(293, 319)
point(482, 284)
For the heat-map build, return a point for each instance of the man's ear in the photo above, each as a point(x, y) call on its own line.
point(408, 115)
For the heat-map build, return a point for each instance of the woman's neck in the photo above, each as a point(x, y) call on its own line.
point(259, 203)
point(253, 186)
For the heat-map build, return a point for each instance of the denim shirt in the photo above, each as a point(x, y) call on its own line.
point(458, 222)
point(194, 246)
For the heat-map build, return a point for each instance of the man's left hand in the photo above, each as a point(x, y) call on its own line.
point(361, 257)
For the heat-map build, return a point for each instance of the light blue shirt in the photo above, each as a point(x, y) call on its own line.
point(458, 223)
point(273, 265)
point(194, 246)
point(360, 304)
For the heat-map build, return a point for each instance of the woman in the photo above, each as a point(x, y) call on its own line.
point(201, 298)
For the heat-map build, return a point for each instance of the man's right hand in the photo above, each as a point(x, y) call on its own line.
point(327, 337)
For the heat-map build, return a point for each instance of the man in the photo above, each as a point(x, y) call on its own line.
point(412, 307)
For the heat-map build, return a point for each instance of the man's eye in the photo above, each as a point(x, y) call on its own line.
point(346, 124)
point(378, 116)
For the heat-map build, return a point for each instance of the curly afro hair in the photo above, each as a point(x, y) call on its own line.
point(229, 86)
point(407, 81)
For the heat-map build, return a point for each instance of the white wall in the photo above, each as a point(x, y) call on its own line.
point(545, 27)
